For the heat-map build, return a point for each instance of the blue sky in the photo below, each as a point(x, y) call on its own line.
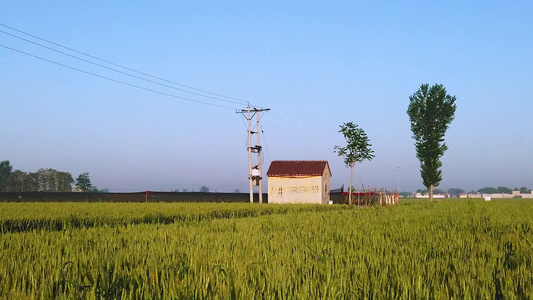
point(315, 64)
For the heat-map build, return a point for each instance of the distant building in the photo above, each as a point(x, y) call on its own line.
point(420, 195)
point(299, 181)
point(528, 196)
point(514, 194)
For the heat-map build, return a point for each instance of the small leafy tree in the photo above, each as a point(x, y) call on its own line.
point(357, 149)
point(431, 110)
point(5, 172)
point(84, 182)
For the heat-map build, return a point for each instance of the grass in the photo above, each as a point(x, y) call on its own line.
point(449, 249)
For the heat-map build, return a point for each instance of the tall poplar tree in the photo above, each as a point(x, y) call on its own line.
point(431, 110)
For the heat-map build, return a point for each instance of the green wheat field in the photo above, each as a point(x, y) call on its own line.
point(416, 250)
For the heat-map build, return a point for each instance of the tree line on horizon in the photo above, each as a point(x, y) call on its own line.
point(44, 180)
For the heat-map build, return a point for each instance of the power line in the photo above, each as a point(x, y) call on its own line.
point(118, 71)
point(264, 139)
point(115, 80)
point(123, 67)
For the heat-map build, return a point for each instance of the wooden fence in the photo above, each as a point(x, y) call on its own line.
point(371, 197)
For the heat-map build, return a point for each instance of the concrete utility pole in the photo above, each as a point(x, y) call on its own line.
point(255, 176)
point(259, 160)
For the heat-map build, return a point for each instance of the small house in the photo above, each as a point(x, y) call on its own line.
point(299, 181)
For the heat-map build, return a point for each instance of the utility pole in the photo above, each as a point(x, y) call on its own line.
point(254, 174)
point(250, 155)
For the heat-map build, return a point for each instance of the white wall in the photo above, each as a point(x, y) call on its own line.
point(501, 196)
point(309, 189)
point(419, 195)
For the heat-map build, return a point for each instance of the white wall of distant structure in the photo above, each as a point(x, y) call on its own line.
point(419, 195)
point(515, 194)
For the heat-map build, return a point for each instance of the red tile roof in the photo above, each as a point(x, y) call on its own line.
point(282, 168)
